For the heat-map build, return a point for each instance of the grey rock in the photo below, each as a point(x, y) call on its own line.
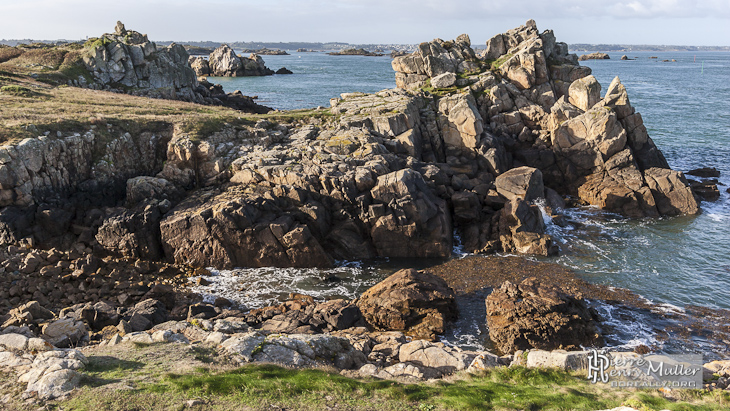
point(64, 332)
point(443, 80)
point(521, 182)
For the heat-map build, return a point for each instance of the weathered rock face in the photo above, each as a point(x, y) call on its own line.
point(671, 192)
point(49, 179)
point(530, 315)
point(224, 62)
point(522, 182)
point(460, 121)
point(235, 230)
point(417, 303)
point(199, 65)
point(426, 226)
point(522, 230)
point(129, 59)
point(433, 59)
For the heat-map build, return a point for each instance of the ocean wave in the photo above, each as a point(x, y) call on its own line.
point(261, 287)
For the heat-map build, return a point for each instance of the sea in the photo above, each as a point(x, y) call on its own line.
point(675, 264)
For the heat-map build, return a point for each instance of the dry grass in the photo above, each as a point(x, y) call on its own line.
point(9, 53)
point(61, 108)
point(43, 59)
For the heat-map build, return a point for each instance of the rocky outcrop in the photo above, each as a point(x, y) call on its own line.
point(390, 174)
point(595, 56)
point(522, 229)
point(224, 62)
point(417, 303)
point(199, 65)
point(531, 315)
point(127, 59)
point(546, 112)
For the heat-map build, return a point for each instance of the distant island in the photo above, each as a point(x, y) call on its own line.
point(206, 47)
point(641, 47)
point(355, 52)
point(266, 52)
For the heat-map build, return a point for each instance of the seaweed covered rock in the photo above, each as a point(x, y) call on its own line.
point(534, 315)
point(417, 303)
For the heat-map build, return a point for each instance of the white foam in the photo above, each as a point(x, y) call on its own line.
point(261, 287)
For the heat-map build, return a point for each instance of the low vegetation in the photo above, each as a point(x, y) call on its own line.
point(263, 387)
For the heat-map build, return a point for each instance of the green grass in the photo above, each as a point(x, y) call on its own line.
point(17, 91)
point(266, 386)
point(494, 65)
point(93, 43)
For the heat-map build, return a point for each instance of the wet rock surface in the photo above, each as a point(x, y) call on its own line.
point(532, 315)
point(417, 303)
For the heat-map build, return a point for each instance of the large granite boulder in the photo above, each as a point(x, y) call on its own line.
point(200, 66)
point(534, 315)
point(522, 229)
point(224, 62)
point(417, 303)
point(460, 121)
point(523, 182)
point(671, 192)
point(589, 139)
point(132, 233)
point(584, 93)
point(619, 187)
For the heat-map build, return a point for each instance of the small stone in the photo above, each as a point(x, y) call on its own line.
point(194, 403)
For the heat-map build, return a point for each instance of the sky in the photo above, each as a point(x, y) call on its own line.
point(667, 22)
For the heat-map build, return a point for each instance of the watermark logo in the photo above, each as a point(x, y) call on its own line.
point(645, 371)
point(598, 365)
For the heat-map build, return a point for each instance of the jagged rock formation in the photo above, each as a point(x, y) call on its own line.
point(546, 112)
point(224, 62)
point(418, 303)
point(127, 62)
point(127, 59)
point(390, 174)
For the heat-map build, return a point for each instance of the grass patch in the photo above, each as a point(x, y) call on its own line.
point(265, 386)
point(494, 65)
point(103, 370)
point(95, 42)
point(9, 53)
point(42, 58)
point(18, 91)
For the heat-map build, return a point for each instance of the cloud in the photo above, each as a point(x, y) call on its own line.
point(358, 21)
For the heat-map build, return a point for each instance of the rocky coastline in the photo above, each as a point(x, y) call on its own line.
point(101, 227)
